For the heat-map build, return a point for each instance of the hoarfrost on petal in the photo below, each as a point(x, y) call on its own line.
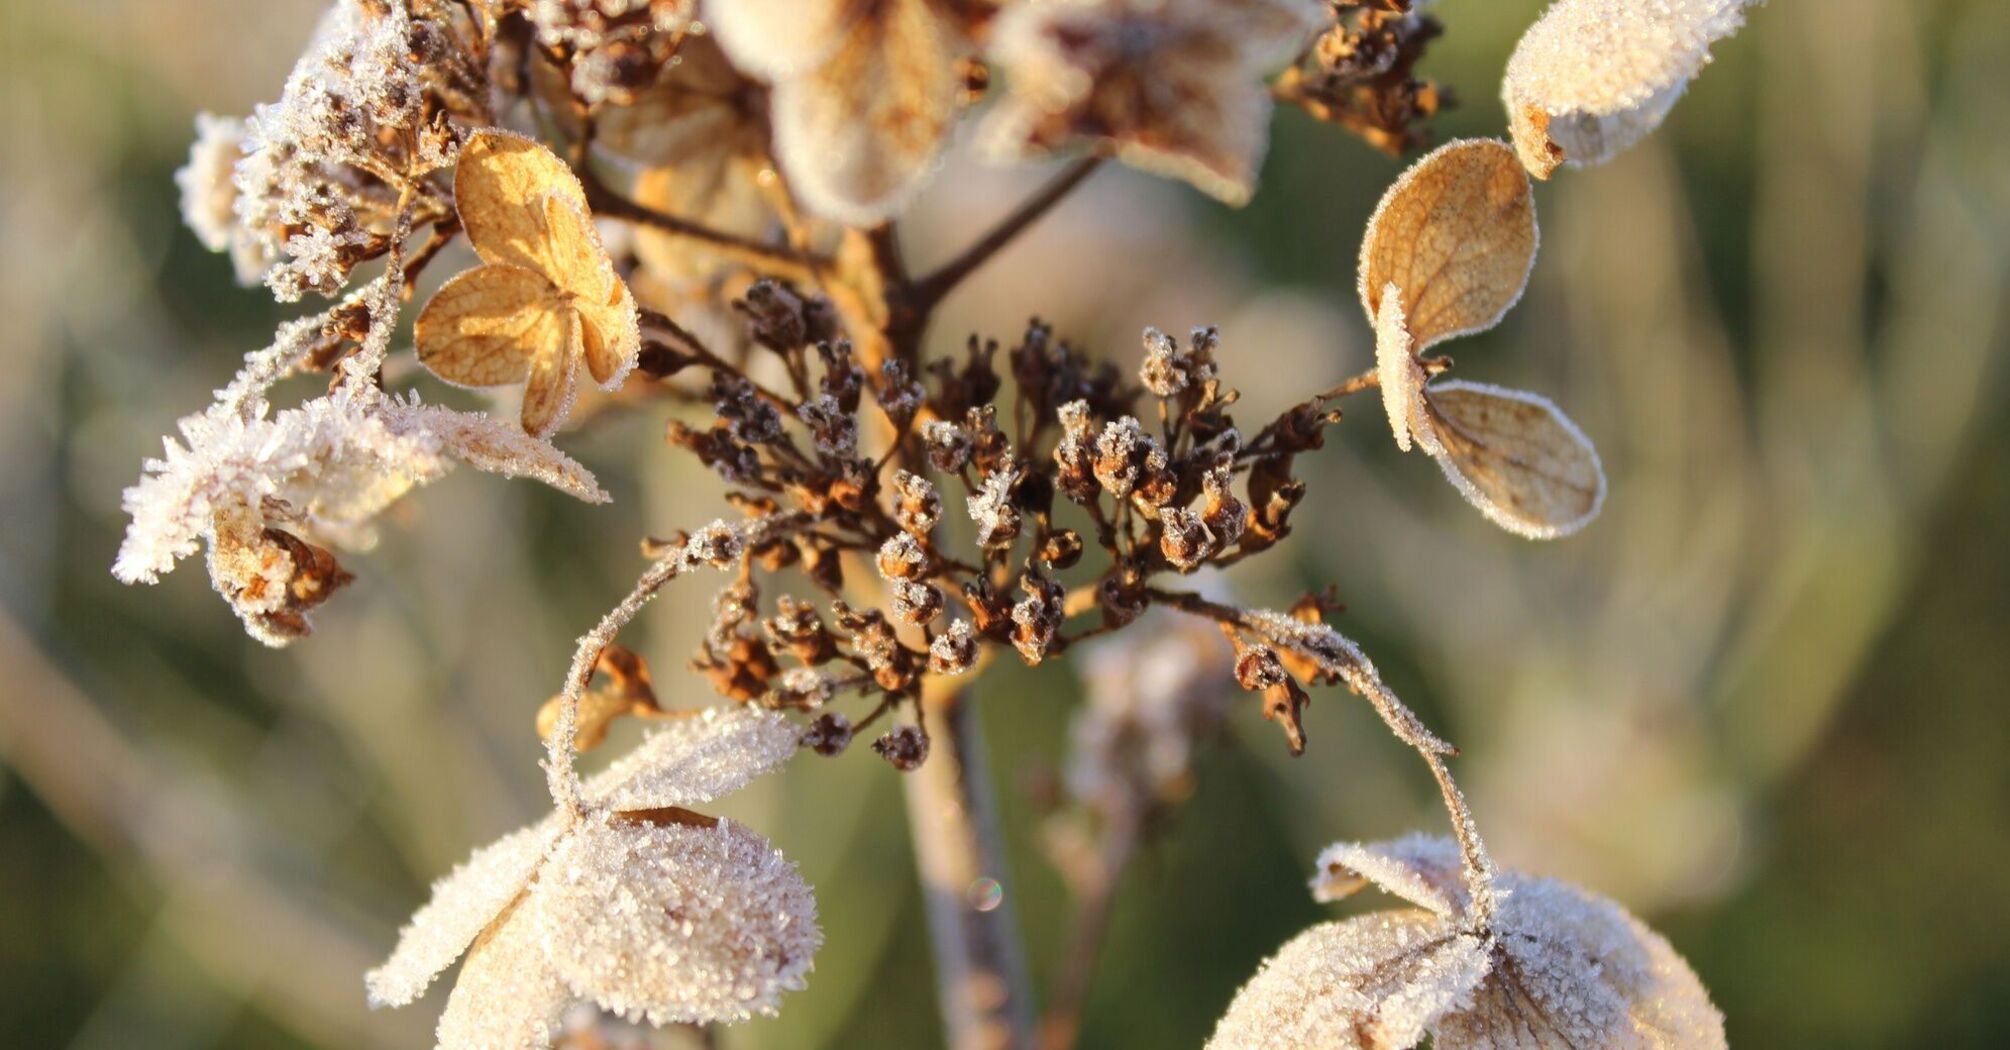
point(1374, 981)
point(696, 760)
point(508, 996)
point(496, 446)
point(1592, 77)
point(1516, 457)
point(1574, 969)
point(1422, 869)
point(463, 903)
point(675, 923)
point(1400, 375)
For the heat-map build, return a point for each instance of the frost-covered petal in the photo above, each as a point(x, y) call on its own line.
point(860, 132)
point(1374, 981)
point(1576, 970)
point(501, 187)
point(494, 446)
point(483, 327)
point(695, 760)
point(1593, 77)
point(464, 902)
point(507, 996)
point(1400, 375)
point(1422, 869)
point(610, 335)
point(1516, 457)
point(1457, 234)
point(549, 389)
point(675, 922)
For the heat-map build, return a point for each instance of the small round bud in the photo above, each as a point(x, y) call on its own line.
point(905, 748)
point(829, 735)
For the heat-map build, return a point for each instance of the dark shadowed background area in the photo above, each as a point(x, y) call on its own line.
point(1764, 701)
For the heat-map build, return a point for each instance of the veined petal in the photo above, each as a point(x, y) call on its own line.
point(861, 132)
point(548, 391)
point(1457, 233)
point(508, 996)
point(501, 186)
point(1373, 982)
point(610, 331)
point(1516, 457)
point(1592, 77)
point(483, 327)
point(695, 760)
point(463, 904)
point(673, 922)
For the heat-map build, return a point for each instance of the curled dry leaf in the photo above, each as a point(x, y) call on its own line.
point(1556, 967)
point(864, 93)
point(1174, 87)
point(547, 298)
point(1448, 253)
point(1593, 77)
point(642, 908)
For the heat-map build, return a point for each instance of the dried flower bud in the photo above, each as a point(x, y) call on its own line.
point(997, 517)
point(989, 610)
point(1061, 549)
point(1157, 484)
point(1121, 453)
point(902, 557)
point(1224, 515)
point(898, 393)
point(1185, 539)
point(919, 506)
point(1161, 371)
point(774, 316)
point(949, 446)
point(750, 419)
point(1036, 619)
point(802, 688)
point(797, 627)
point(717, 544)
point(1074, 454)
point(1257, 668)
point(1121, 598)
point(904, 748)
point(843, 379)
point(990, 449)
point(954, 651)
point(834, 430)
point(829, 735)
point(916, 603)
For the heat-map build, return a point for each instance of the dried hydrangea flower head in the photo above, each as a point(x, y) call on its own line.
point(1554, 967)
point(1447, 253)
point(1593, 77)
point(1172, 87)
point(864, 93)
point(547, 297)
point(634, 903)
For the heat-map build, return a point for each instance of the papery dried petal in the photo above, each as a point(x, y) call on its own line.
point(1575, 969)
point(549, 389)
point(859, 133)
point(1374, 981)
point(1516, 457)
point(1592, 77)
point(674, 922)
point(1400, 374)
point(1457, 234)
point(507, 996)
point(483, 327)
point(463, 904)
point(1421, 869)
point(695, 760)
point(501, 188)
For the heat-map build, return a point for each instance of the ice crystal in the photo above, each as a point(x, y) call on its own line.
point(1554, 966)
point(1592, 77)
point(998, 520)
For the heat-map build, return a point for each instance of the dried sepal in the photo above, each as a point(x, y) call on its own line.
point(863, 98)
point(1456, 233)
point(1592, 77)
point(1516, 457)
point(1172, 87)
point(463, 904)
point(1554, 967)
point(548, 299)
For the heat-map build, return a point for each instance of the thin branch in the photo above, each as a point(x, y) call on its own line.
point(786, 263)
point(931, 289)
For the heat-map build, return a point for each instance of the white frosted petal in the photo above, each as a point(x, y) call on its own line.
point(507, 996)
point(1593, 77)
point(463, 903)
point(1422, 869)
point(1401, 376)
point(695, 760)
point(675, 923)
point(1374, 981)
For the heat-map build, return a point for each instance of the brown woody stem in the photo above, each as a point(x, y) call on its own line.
point(786, 263)
point(931, 289)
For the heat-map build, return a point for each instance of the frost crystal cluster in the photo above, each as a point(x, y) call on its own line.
point(693, 209)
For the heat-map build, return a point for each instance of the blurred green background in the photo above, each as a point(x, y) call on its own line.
point(1764, 701)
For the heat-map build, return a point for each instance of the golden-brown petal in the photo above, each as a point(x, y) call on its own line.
point(500, 189)
point(610, 336)
point(547, 393)
point(1400, 374)
point(701, 110)
point(861, 132)
point(1517, 458)
point(508, 996)
point(579, 264)
point(483, 327)
point(1457, 234)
